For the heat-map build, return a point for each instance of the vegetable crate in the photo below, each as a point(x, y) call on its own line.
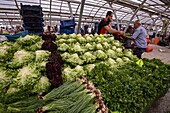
point(67, 23)
point(32, 17)
point(67, 26)
point(67, 30)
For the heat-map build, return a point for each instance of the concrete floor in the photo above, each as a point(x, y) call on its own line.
point(159, 52)
point(163, 53)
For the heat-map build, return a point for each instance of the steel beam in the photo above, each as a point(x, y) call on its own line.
point(50, 11)
point(71, 12)
point(116, 2)
point(153, 23)
point(165, 27)
point(89, 4)
point(10, 9)
point(76, 20)
point(134, 14)
point(103, 12)
point(40, 2)
point(91, 11)
point(134, 5)
point(160, 14)
point(148, 20)
point(18, 8)
point(114, 12)
point(81, 13)
point(77, 9)
point(142, 18)
point(97, 11)
point(61, 6)
point(124, 16)
point(8, 19)
point(137, 17)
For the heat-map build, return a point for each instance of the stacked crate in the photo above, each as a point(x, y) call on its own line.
point(32, 17)
point(67, 26)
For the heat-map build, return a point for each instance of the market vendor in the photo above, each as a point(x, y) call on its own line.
point(105, 27)
point(139, 38)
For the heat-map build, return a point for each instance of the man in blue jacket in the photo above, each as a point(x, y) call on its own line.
point(139, 38)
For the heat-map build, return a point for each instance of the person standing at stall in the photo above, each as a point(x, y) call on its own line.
point(105, 27)
point(139, 38)
point(129, 32)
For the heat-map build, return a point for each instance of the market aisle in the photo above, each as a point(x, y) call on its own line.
point(159, 52)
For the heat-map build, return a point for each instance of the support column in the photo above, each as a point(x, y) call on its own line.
point(165, 27)
point(18, 10)
point(8, 19)
point(137, 17)
point(134, 14)
point(117, 21)
point(81, 13)
point(114, 12)
point(40, 2)
point(97, 12)
point(124, 16)
point(71, 12)
point(154, 22)
point(50, 11)
point(77, 9)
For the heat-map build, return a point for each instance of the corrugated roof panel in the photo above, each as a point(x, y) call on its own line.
point(89, 10)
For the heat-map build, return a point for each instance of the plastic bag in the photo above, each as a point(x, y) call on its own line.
point(149, 49)
point(3, 38)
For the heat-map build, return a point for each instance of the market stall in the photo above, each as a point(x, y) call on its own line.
point(33, 70)
point(58, 71)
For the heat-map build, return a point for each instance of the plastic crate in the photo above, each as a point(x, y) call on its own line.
point(67, 23)
point(15, 36)
point(40, 31)
point(27, 23)
point(31, 16)
point(33, 24)
point(29, 28)
point(67, 30)
point(31, 19)
point(28, 12)
point(33, 7)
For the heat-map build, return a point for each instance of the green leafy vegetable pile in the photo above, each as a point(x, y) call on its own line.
point(33, 65)
point(23, 67)
point(80, 52)
point(130, 88)
point(74, 97)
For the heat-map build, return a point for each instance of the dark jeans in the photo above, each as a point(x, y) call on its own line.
point(138, 52)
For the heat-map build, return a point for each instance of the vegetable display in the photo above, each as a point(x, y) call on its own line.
point(126, 87)
point(77, 50)
point(41, 74)
point(74, 97)
point(23, 67)
point(78, 96)
point(55, 62)
point(130, 88)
